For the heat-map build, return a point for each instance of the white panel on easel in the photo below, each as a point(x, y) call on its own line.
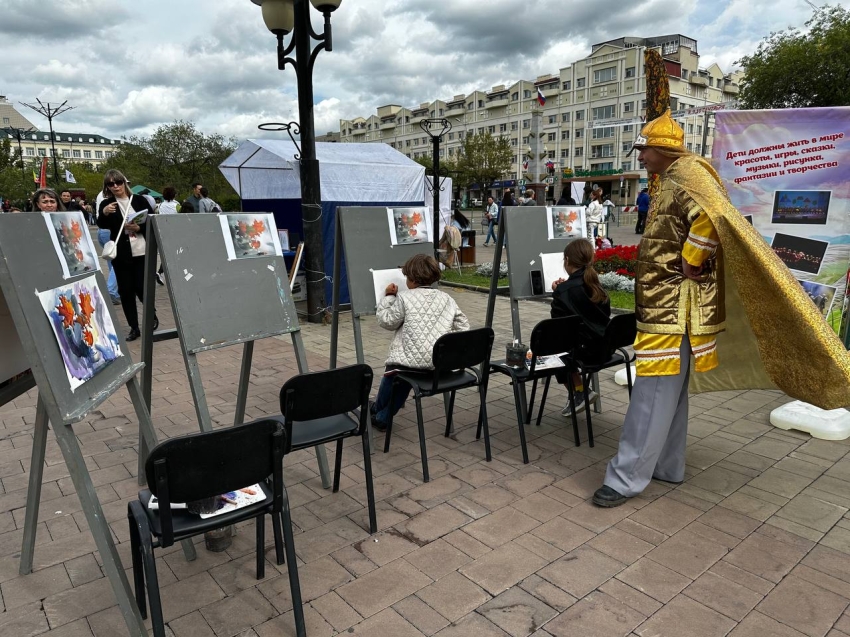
point(826, 425)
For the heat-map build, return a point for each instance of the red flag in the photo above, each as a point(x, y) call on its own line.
point(42, 177)
point(541, 99)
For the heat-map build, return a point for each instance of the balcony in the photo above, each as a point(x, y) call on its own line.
point(495, 103)
point(698, 80)
point(388, 125)
point(455, 111)
point(415, 119)
point(731, 88)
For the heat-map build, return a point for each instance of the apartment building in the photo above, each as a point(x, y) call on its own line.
point(70, 147)
point(593, 109)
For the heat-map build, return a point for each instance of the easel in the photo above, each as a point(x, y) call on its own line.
point(217, 303)
point(528, 242)
point(30, 265)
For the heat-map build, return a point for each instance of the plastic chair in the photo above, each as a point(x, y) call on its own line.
point(198, 467)
point(318, 407)
point(619, 334)
point(455, 357)
point(549, 337)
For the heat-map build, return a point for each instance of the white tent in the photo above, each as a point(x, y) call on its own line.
point(351, 173)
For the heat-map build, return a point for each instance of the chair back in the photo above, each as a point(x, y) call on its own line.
point(323, 394)
point(459, 350)
point(554, 336)
point(207, 464)
point(621, 331)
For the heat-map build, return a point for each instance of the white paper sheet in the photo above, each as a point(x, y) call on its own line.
point(71, 239)
point(382, 278)
point(566, 222)
point(553, 269)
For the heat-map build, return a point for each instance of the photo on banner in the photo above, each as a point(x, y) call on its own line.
point(249, 235)
point(83, 328)
point(566, 222)
point(72, 241)
point(786, 171)
point(821, 295)
point(409, 225)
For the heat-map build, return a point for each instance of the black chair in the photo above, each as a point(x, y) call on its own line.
point(455, 357)
point(321, 407)
point(619, 334)
point(549, 337)
point(199, 467)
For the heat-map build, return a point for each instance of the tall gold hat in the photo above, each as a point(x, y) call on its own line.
point(662, 132)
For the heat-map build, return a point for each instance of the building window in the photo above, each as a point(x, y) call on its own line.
point(480, 103)
point(491, 129)
point(551, 154)
point(698, 149)
point(602, 150)
point(578, 152)
point(526, 123)
point(42, 152)
point(108, 154)
point(460, 135)
point(526, 94)
point(604, 112)
point(470, 106)
point(690, 129)
point(6, 121)
point(579, 133)
point(579, 115)
point(605, 75)
point(627, 146)
point(503, 128)
point(514, 96)
point(66, 153)
point(627, 165)
point(481, 131)
point(30, 152)
point(608, 165)
point(565, 117)
point(565, 153)
point(690, 146)
point(551, 137)
point(643, 105)
point(628, 128)
point(630, 71)
point(416, 142)
point(684, 74)
point(699, 129)
point(524, 141)
point(514, 125)
point(513, 142)
point(629, 107)
point(553, 119)
point(87, 154)
point(603, 133)
point(407, 143)
point(451, 136)
point(567, 85)
point(565, 134)
point(580, 82)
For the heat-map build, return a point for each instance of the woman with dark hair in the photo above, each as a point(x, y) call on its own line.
point(582, 295)
point(129, 264)
point(595, 212)
point(169, 206)
point(46, 200)
point(566, 198)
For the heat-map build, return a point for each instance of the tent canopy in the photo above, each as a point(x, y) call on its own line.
point(362, 173)
point(153, 193)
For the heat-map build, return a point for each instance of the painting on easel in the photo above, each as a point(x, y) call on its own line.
point(70, 236)
point(83, 328)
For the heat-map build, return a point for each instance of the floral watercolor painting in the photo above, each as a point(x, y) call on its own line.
point(83, 328)
point(250, 235)
point(409, 225)
point(566, 222)
point(70, 235)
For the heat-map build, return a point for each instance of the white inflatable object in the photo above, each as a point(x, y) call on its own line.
point(826, 425)
point(621, 379)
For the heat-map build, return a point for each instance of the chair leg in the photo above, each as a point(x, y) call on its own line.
point(629, 376)
point(278, 540)
point(292, 570)
point(519, 387)
point(531, 403)
point(587, 410)
point(138, 567)
point(157, 622)
point(450, 413)
point(482, 421)
point(543, 400)
point(337, 465)
point(389, 432)
point(370, 487)
point(419, 421)
point(571, 388)
point(260, 522)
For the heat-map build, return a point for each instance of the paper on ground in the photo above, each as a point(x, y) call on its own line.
point(382, 278)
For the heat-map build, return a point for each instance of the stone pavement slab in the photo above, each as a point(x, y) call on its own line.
point(756, 541)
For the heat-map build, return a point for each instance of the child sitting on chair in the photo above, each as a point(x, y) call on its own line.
point(582, 295)
point(419, 315)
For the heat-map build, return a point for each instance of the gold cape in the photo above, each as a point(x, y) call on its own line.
point(775, 336)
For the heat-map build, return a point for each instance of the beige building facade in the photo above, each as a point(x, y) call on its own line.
point(593, 110)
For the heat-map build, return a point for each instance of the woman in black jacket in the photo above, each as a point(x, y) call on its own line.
point(582, 295)
point(129, 264)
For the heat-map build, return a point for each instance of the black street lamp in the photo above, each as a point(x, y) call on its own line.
point(50, 112)
point(293, 16)
point(436, 128)
point(19, 133)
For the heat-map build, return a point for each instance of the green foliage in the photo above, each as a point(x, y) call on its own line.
point(175, 155)
point(484, 159)
point(12, 185)
point(792, 69)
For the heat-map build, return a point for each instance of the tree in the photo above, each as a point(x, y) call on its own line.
point(484, 159)
point(791, 69)
point(13, 185)
point(176, 155)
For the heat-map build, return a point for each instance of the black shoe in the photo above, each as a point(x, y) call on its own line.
point(159, 279)
point(116, 300)
point(606, 497)
point(376, 424)
point(676, 482)
point(155, 323)
point(133, 335)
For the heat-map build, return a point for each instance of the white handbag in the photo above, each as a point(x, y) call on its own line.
point(110, 248)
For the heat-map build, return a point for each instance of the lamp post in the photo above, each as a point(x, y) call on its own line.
point(49, 111)
point(19, 133)
point(293, 16)
point(436, 128)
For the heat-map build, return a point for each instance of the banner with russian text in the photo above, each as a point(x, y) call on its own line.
point(787, 172)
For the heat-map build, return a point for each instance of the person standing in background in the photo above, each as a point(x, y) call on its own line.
point(643, 210)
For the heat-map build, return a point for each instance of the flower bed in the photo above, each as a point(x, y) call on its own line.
point(619, 259)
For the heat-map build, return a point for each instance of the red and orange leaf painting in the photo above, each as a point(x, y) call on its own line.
point(86, 308)
point(243, 227)
point(258, 228)
point(66, 311)
point(417, 218)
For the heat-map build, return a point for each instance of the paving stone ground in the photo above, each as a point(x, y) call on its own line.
point(755, 542)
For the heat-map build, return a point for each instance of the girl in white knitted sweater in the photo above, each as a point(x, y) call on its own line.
point(419, 315)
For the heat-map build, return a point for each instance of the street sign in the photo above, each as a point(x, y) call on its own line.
point(549, 180)
point(521, 183)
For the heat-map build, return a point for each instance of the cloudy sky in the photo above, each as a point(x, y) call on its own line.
point(128, 67)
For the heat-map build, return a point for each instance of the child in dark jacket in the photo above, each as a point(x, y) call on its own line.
point(582, 295)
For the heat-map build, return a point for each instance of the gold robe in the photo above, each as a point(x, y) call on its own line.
point(775, 336)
